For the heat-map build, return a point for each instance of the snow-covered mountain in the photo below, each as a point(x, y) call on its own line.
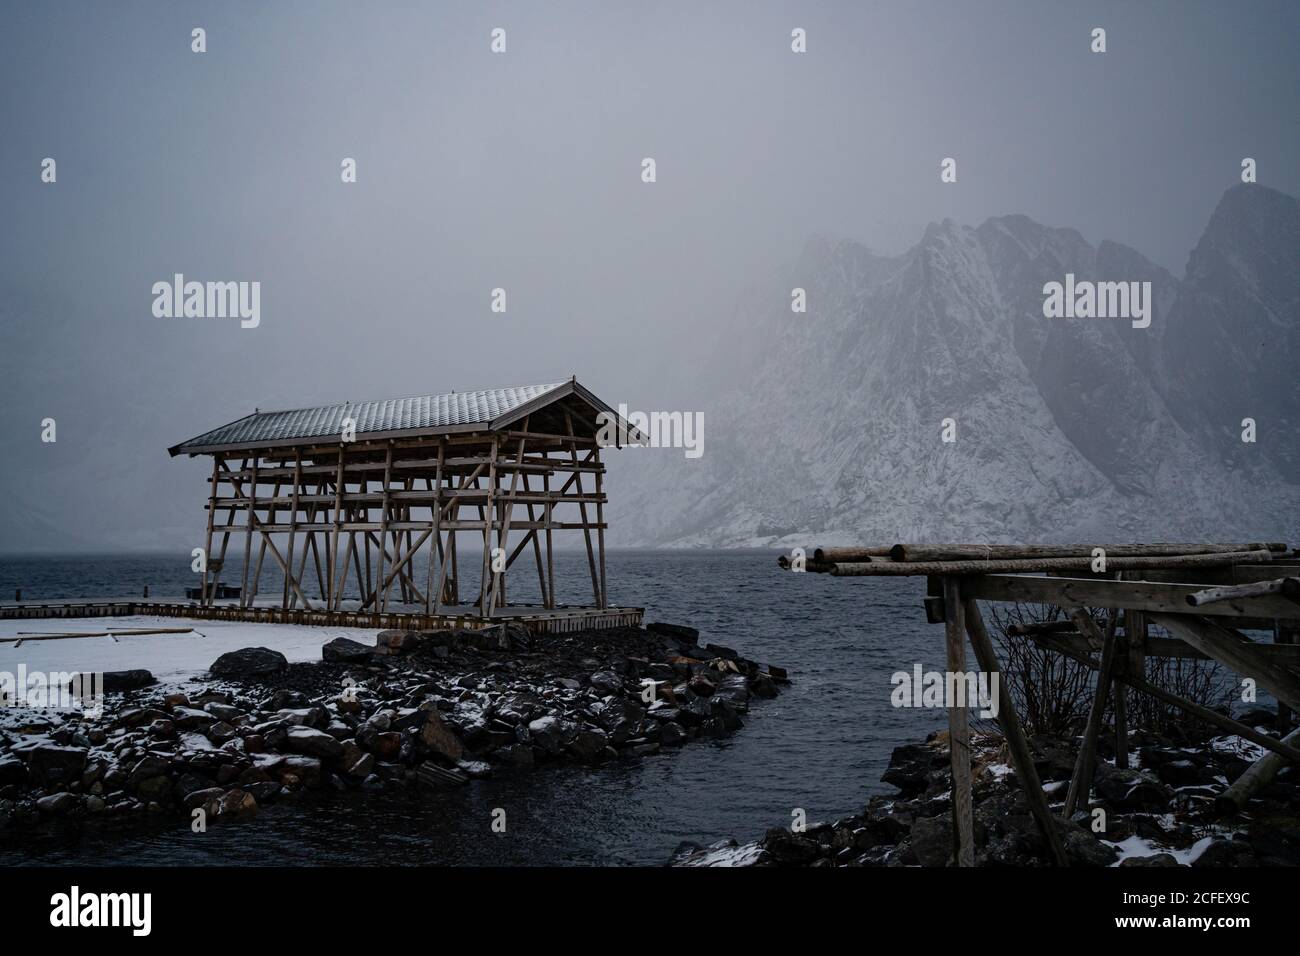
point(827, 426)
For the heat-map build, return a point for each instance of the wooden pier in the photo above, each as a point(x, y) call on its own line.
point(561, 619)
point(1204, 596)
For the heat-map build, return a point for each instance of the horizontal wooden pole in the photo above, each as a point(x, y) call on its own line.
point(1290, 587)
point(1137, 595)
point(1002, 552)
point(1032, 565)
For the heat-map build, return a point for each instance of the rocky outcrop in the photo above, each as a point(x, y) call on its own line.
point(421, 708)
point(1159, 813)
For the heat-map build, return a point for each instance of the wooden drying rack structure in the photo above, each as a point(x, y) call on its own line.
point(1202, 595)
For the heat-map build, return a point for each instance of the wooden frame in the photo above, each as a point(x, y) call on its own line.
point(399, 499)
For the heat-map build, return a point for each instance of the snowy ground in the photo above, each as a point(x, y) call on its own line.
point(170, 657)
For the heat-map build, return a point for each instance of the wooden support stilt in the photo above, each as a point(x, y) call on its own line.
point(1081, 781)
point(1022, 760)
point(959, 729)
point(208, 590)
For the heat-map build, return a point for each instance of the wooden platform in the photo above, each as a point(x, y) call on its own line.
point(560, 620)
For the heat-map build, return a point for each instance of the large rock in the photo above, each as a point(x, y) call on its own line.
point(1131, 789)
point(12, 770)
point(249, 662)
point(792, 849)
point(438, 737)
point(588, 744)
point(312, 743)
point(932, 840)
point(909, 768)
point(127, 680)
point(51, 765)
point(678, 632)
point(58, 803)
point(344, 650)
point(548, 733)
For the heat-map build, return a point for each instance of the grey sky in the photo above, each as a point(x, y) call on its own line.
point(522, 171)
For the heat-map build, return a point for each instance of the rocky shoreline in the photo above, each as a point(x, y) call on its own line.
point(419, 708)
point(1160, 812)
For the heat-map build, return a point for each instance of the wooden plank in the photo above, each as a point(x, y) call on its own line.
point(1138, 595)
point(1022, 760)
point(959, 730)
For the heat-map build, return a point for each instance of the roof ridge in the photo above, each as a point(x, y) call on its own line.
point(405, 398)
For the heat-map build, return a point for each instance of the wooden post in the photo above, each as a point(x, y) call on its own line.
point(1135, 642)
point(206, 595)
point(293, 523)
point(381, 604)
point(251, 498)
point(1022, 759)
point(1081, 781)
point(550, 555)
point(331, 565)
point(959, 729)
point(600, 529)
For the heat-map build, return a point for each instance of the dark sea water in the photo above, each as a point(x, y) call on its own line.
point(821, 746)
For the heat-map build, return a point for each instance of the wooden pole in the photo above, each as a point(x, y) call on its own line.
point(1000, 552)
point(1022, 760)
point(1257, 776)
point(1012, 565)
point(293, 522)
point(248, 535)
point(959, 729)
point(1081, 781)
point(206, 595)
point(600, 529)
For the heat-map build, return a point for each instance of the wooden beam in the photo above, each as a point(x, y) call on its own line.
point(959, 730)
point(1022, 760)
point(1138, 595)
point(1234, 651)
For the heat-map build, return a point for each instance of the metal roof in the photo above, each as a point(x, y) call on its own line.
point(482, 409)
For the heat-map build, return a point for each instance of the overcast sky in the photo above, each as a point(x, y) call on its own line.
point(522, 170)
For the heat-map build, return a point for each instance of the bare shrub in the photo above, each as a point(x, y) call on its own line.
point(1052, 693)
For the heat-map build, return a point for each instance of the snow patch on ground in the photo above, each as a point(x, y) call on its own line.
point(1136, 846)
point(728, 855)
point(170, 657)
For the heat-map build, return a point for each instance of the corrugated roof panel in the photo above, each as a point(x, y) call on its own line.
point(453, 409)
